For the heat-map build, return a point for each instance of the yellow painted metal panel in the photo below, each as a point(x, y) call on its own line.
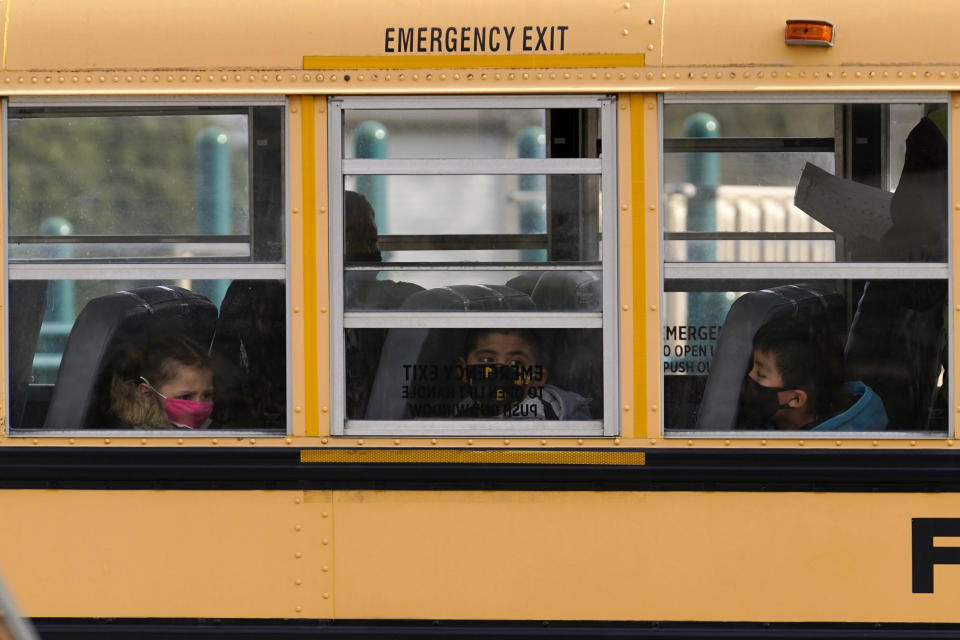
point(640, 262)
point(117, 34)
point(627, 213)
point(641, 243)
point(573, 555)
point(182, 34)
point(298, 207)
point(473, 555)
point(309, 221)
point(191, 554)
point(471, 456)
point(752, 32)
point(648, 265)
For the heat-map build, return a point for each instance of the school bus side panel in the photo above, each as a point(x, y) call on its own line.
point(636, 556)
point(181, 34)
point(145, 554)
point(703, 32)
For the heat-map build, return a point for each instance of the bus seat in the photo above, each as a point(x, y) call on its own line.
point(432, 346)
point(249, 354)
point(896, 345)
point(364, 292)
point(561, 290)
point(124, 317)
point(731, 362)
point(576, 364)
point(28, 303)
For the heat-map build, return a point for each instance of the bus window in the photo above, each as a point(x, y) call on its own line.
point(476, 282)
point(146, 267)
point(805, 274)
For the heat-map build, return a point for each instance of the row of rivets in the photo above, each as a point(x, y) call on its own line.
point(554, 75)
point(802, 75)
point(179, 441)
point(543, 442)
point(297, 555)
point(320, 77)
point(497, 76)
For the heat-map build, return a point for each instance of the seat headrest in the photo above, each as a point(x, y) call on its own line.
point(470, 297)
point(405, 347)
point(561, 290)
point(124, 317)
point(718, 409)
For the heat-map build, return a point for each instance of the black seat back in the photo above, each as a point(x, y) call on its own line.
point(896, 345)
point(719, 407)
point(572, 356)
point(28, 303)
point(105, 324)
point(406, 347)
point(249, 354)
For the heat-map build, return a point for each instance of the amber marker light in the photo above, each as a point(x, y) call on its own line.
point(817, 33)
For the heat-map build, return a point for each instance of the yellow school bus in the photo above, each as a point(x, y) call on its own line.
point(542, 318)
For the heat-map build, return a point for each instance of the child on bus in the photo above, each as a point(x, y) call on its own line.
point(796, 382)
point(504, 377)
point(167, 385)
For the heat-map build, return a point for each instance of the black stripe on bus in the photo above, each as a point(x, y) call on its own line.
point(169, 629)
point(673, 470)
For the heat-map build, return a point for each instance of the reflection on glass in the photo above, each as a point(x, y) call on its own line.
point(452, 133)
point(756, 120)
point(821, 356)
point(504, 373)
point(149, 355)
point(489, 214)
point(126, 174)
point(478, 290)
point(809, 249)
point(755, 169)
point(127, 251)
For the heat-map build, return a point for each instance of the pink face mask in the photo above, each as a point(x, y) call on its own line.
point(185, 413)
point(188, 413)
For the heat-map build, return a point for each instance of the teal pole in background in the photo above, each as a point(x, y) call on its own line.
point(532, 143)
point(371, 140)
point(214, 198)
point(61, 308)
point(60, 293)
point(703, 172)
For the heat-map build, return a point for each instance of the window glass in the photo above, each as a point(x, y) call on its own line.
point(867, 355)
point(101, 346)
point(144, 290)
point(481, 373)
point(453, 133)
point(565, 290)
point(128, 184)
point(503, 205)
point(768, 188)
point(824, 306)
point(754, 120)
point(485, 271)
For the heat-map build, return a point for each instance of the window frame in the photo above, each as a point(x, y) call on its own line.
point(607, 320)
point(803, 271)
point(165, 268)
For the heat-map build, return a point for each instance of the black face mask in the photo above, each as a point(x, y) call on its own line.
point(758, 404)
point(495, 388)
